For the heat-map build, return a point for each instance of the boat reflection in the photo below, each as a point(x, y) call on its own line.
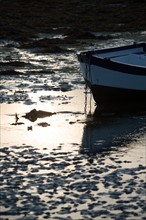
point(109, 131)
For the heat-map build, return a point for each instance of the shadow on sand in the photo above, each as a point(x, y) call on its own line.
point(109, 129)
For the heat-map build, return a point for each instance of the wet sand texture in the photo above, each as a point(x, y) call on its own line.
point(24, 19)
point(45, 175)
point(65, 185)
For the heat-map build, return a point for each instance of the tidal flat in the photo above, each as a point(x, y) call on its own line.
point(58, 159)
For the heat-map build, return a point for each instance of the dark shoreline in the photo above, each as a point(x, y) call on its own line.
point(24, 19)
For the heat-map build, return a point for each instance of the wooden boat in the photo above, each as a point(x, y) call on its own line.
point(116, 75)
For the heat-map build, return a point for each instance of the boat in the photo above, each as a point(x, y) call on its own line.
point(116, 75)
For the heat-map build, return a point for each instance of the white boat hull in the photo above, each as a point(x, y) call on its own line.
point(110, 78)
point(110, 86)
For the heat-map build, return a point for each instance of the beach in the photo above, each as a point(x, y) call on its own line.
point(57, 172)
point(58, 159)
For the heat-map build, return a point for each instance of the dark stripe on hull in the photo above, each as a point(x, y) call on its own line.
point(103, 94)
point(107, 94)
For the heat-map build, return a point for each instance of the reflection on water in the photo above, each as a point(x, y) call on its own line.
point(108, 132)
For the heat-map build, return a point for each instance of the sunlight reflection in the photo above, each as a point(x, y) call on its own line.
point(52, 61)
point(64, 128)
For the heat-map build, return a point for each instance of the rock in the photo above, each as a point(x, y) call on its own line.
point(33, 115)
point(43, 124)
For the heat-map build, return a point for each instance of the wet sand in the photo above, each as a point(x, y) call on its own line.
point(24, 19)
point(66, 185)
point(69, 165)
point(76, 167)
point(64, 162)
point(62, 127)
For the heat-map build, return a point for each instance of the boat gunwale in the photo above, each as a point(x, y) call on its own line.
point(116, 49)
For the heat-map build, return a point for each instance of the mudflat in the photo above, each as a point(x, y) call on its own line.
point(22, 19)
point(58, 160)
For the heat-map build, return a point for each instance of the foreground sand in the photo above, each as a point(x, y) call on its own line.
point(56, 172)
point(66, 185)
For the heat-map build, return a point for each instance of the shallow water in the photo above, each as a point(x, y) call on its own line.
point(72, 164)
point(62, 128)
